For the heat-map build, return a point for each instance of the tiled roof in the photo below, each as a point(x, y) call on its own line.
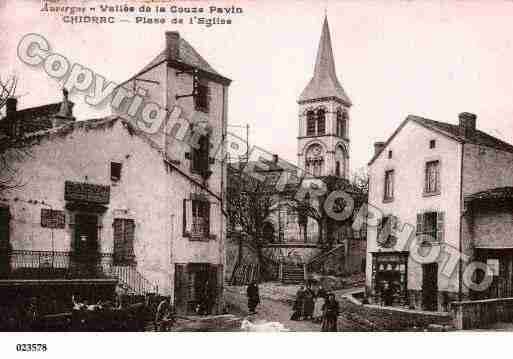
point(324, 83)
point(186, 55)
point(453, 131)
point(494, 193)
point(477, 137)
point(37, 118)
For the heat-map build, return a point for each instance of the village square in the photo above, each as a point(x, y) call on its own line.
point(162, 217)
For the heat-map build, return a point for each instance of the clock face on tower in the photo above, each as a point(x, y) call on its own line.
point(316, 150)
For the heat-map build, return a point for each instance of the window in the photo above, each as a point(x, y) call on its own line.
point(432, 144)
point(321, 122)
point(389, 186)
point(115, 171)
point(202, 98)
point(386, 231)
point(310, 123)
point(432, 185)
point(390, 154)
point(200, 218)
point(341, 124)
point(314, 160)
point(124, 233)
point(200, 160)
point(337, 168)
point(431, 224)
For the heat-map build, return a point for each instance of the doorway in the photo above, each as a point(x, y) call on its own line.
point(430, 286)
point(85, 253)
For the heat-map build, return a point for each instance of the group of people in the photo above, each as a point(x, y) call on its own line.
point(318, 306)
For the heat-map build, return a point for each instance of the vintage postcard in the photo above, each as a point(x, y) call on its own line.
point(255, 166)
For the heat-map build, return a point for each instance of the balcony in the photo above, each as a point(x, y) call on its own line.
point(27, 264)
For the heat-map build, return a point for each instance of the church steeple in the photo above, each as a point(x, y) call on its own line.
point(324, 83)
point(323, 138)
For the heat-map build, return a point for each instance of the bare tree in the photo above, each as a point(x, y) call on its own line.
point(12, 148)
point(7, 90)
point(250, 202)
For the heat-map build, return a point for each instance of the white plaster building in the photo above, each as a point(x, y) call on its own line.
point(102, 199)
point(425, 177)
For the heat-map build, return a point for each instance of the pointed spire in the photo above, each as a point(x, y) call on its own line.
point(324, 82)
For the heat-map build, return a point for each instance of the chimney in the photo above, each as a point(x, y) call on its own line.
point(172, 45)
point(65, 113)
point(378, 146)
point(467, 125)
point(11, 106)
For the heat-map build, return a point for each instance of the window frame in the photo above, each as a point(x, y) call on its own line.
point(427, 190)
point(438, 232)
point(202, 98)
point(114, 167)
point(200, 219)
point(321, 119)
point(127, 256)
point(311, 123)
point(389, 183)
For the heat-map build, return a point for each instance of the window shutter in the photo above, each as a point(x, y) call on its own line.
point(118, 240)
point(419, 223)
point(214, 220)
point(129, 240)
point(181, 288)
point(440, 226)
point(187, 217)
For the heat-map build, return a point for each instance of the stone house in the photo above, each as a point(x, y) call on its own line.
point(103, 200)
point(441, 190)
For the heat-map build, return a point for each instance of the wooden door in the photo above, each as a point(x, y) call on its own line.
point(181, 290)
point(86, 236)
point(430, 286)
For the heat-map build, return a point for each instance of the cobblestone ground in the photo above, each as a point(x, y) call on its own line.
point(276, 306)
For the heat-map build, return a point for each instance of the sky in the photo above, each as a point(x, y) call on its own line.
point(430, 58)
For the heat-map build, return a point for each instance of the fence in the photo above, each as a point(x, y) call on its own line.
point(481, 313)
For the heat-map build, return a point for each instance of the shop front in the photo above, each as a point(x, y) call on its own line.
point(389, 278)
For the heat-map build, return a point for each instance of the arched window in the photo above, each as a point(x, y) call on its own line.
point(314, 160)
point(321, 122)
point(310, 123)
point(341, 123)
point(341, 162)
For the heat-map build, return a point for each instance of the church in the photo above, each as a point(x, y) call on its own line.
point(297, 245)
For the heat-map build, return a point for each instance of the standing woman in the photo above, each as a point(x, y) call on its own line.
point(331, 310)
point(253, 297)
point(298, 304)
point(308, 307)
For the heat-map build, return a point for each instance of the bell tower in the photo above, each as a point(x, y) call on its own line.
point(323, 139)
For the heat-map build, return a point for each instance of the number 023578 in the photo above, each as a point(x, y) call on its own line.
point(31, 347)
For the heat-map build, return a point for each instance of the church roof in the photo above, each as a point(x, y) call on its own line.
point(324, 82)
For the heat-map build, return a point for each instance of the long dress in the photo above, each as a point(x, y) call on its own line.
point(319, 303)
point(308, 307)
point(298, 305)
point(331, 311)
